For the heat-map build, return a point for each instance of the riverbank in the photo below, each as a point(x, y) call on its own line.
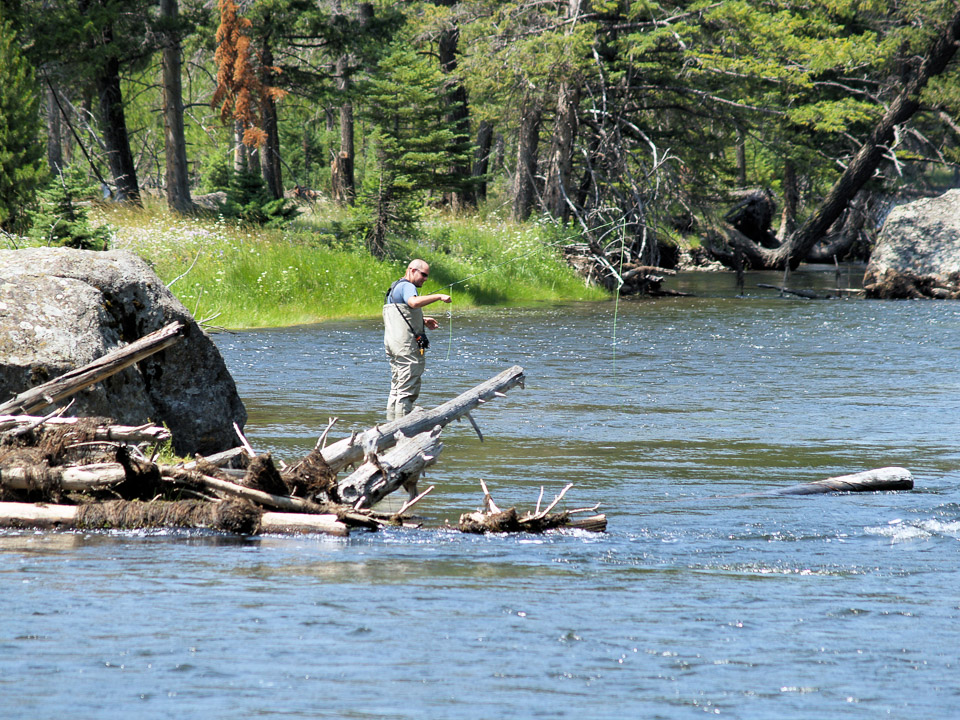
point(238, 276)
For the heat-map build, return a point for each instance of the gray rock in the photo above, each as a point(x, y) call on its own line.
point(61, 309)
point(918, 251)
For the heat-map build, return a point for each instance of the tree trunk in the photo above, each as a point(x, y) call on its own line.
point(54, 145)
point(241, 153)
point(177, 177)
point(270, 150)
point(481, 160)
point(868, 157)
point(115, 135)
point(525, 184)
point(560, 162)
point(17, 424)
point(343, 189)
point(343, 185)
point(741, 158)
point(351, 450)
point(378, 477)
point(457, 114)
point(788, 216)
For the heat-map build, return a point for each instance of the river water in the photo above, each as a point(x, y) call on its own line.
point(702, 597)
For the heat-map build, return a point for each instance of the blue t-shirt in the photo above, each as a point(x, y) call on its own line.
point(402, 292)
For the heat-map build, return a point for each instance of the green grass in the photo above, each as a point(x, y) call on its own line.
point(251, 277)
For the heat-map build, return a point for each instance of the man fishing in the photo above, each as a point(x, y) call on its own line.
point(404, 336)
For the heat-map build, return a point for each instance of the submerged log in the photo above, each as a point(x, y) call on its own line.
point(350, 451)
point(808, 294)
point(888, 478)
point(72, 382)
point(286, 523)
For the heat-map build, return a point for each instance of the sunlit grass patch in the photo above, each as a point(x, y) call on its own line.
point(253, 277)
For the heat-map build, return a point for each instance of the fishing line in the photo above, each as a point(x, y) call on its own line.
point(539, 248)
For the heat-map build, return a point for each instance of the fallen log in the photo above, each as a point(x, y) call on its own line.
point(401, 466)
point(74, 381)
point(83, 478)
point(295, 523)
point(223, 516)
point(808, 294)
point(107, 433)
point(284, 503)
point(888, 478)
point(350, 451)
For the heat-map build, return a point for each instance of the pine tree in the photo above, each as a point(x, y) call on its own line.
point(418, 148)
point(60, 221)
point(21, 153)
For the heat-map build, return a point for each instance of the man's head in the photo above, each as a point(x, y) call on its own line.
point(417, 272)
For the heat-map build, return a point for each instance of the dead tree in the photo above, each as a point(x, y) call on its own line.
point(860, 169)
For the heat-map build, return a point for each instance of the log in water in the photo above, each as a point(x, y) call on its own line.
point(888, 478)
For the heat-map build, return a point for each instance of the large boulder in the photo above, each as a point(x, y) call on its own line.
point(918, 251)
point(61, 309)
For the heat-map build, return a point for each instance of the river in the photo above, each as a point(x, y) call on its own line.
point(702, 597)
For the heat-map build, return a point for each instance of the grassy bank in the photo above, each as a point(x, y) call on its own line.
point(254, 277)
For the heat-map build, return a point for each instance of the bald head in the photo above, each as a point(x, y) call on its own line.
point(417, 272)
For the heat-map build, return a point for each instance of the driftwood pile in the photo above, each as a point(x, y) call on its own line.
point(493, 519)
point(626, 276)
point(63, 472)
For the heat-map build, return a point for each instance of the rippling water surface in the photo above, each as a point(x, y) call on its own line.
point(701, 598)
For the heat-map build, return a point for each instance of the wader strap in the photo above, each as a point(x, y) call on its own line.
point(388, 300)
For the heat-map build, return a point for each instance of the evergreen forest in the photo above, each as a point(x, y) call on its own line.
point(766, 130)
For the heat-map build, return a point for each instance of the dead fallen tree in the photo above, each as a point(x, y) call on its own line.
point(400, 467)
point(628, 277)
point(491, 519)
point(352, 450)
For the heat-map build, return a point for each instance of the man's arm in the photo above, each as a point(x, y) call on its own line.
point(421, 300)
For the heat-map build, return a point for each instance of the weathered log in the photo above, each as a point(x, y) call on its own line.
point(402, 465)
point(277, 502)
point(76, 380)
point(274, 522)
point(109, 433)
point(29, 515)
point(350, 450)
point(888, 478)
point(71, 478)
point(227, 458)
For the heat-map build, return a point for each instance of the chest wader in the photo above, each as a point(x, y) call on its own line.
point(401, 324)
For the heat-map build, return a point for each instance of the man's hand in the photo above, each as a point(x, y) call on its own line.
point(430, 323)
point(445, 298)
